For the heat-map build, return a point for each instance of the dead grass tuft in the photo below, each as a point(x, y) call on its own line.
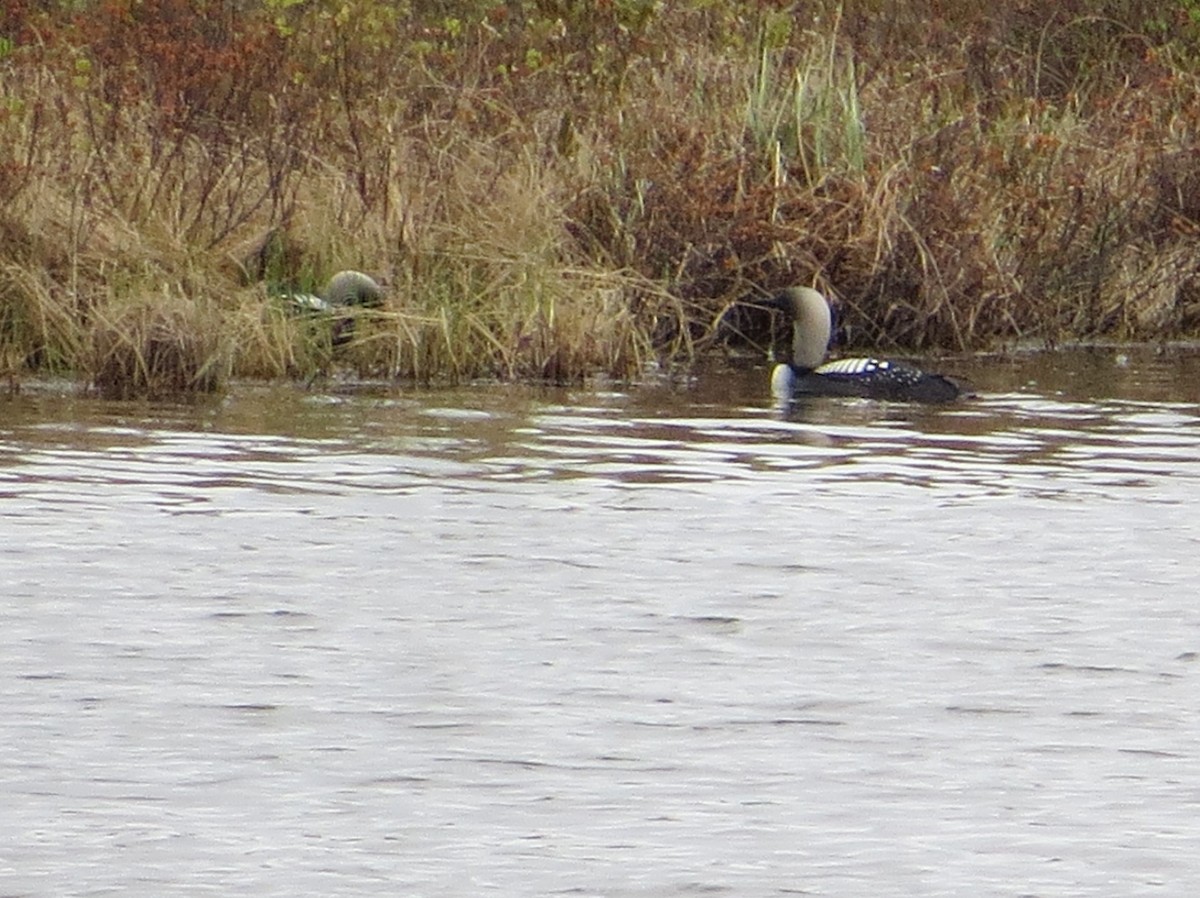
point(156, 348)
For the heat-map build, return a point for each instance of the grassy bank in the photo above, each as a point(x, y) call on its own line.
point(554, 189)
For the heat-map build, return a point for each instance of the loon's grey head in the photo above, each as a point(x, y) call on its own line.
point(812, 324)
point(352, 288)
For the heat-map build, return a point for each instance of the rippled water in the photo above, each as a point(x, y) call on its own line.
point(642, 643)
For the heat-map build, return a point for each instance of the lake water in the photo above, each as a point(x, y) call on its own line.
point(641, 642)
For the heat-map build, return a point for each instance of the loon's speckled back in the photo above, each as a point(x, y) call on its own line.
point(870, 378)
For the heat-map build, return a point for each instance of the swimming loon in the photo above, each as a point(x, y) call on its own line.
point(807, 374)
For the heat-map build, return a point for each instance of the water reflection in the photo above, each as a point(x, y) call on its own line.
point(518, 641)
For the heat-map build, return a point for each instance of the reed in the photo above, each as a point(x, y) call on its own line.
point(157, 347)
point(557, 190)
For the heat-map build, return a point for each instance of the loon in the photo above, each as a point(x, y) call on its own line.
point(808, 374)
point(345, 289)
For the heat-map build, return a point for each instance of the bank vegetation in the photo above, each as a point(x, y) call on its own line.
point(551, 189)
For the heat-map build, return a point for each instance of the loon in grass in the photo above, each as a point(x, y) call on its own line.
point(345, 290)
point(807, 373)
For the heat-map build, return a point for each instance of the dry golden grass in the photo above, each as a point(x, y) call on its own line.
point(575, 193)
point(159, 346)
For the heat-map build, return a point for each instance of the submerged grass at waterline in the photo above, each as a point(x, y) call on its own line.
point(555, 190)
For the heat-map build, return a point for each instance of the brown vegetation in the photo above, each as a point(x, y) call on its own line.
point(552, 188)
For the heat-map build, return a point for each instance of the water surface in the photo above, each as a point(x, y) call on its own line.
point(638, 642)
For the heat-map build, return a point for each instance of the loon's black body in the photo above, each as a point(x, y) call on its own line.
point(807, 374)
point(875, 379)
